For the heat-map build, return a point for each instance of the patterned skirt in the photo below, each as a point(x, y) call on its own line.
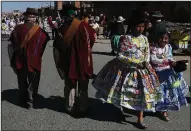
point(173, 95)
point(120, 84)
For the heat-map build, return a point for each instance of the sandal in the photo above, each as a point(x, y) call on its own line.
point(165, 118)
point(141, 125)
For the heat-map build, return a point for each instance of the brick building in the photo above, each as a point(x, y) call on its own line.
point(178, 11)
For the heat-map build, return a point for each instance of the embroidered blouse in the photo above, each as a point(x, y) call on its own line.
point(134, 50)
point(161, 57)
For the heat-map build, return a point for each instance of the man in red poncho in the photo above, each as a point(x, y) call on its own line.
point(74, 41)
point(28, 42)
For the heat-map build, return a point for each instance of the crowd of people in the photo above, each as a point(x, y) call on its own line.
point(143, 76)
point(9, 23)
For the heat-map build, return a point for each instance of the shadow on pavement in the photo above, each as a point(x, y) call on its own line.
point(10, 96)
point(52, 103)
point(104, 112)
point(103, 53)
point(98, 110)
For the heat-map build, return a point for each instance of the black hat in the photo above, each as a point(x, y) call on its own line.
point(31, 11)
point(66, 8)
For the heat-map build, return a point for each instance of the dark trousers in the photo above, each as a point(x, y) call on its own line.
point(28, 83)
point(76, 98)
point(53, 33)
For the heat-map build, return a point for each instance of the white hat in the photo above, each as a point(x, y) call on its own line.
point(97, 18)
point(120, 19)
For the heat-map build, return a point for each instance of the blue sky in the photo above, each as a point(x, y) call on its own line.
point(10, 6)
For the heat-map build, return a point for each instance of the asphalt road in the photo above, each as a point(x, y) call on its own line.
point(51, 92)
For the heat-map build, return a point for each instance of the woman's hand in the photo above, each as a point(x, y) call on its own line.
point(145, 64)
point(172, 63)
point(141, 65)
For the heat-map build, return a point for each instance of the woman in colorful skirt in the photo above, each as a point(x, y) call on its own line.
point(129, 81)
point(173, 86)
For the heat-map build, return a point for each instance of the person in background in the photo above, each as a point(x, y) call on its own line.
point(118, 30)
point(95, 26)
point(7, 21)
point(147, 23)
point(12, 24)
point(157, 25)
point(97, 20)
point(4, 29)
point(111, 26)
point(17, 21)
point(91, 22)
point(52, 26)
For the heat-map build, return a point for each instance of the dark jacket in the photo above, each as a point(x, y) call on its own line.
point(156, 29)
point(119, 29)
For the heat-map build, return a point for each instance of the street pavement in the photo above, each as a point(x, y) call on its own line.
point(50, 115)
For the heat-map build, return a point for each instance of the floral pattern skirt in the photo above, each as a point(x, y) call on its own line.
point(120, 84)
point(173, 97)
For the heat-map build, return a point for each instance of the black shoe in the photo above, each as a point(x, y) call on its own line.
point(113, 52)
point(69, 110)
point(141, 125)
point(29, 107)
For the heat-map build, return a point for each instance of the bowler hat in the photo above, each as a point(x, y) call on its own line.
point(67, 8)
point(157, 14)
point(31, 11)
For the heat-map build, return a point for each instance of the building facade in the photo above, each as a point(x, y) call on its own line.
point(178, 11)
